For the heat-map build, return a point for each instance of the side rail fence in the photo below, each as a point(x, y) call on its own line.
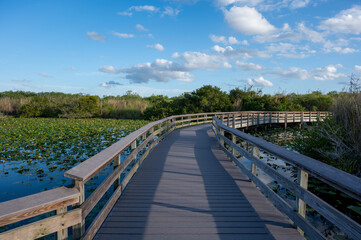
point(236, 144)
point(63, 208)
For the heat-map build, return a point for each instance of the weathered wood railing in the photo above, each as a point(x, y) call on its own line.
point(69, 204)
point(236, 144)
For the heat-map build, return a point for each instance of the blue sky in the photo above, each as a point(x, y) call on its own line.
point(170, 47)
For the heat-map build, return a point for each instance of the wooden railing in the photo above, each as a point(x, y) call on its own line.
point(70, 207)
point(237, 145)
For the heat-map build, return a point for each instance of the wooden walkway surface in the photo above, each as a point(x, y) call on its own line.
point(187, 188)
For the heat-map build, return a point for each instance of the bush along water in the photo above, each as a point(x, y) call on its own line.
point(337, 140)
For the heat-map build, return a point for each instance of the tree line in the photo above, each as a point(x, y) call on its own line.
point(132, 106)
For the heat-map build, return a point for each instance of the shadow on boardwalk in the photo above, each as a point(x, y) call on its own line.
point(188, 189)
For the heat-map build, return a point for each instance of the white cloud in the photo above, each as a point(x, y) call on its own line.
point(123, 35)
point(347, 21)
point(218, 39)
point(248, 21)
point(230, 52)
point(259, 82)
point(292, 73)
point(239, 2)
point(245, 66)
point(299, 3)
point(141, 27)
point(233, 40)
point(288, 50)
point(109, 69)
point(224, 40)
point(198, 60)
point(310, 34)
point(157, 46)
point(326, 73)
point(161, 70)
point(357, 67)
point(144, 8)
point(170, 11)
point(95, 36)
point(44, 74)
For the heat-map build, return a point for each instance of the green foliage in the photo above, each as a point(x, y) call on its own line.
point(132, 106)
point(337, 140)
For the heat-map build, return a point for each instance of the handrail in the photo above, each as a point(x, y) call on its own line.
point(140, 141)
point(345, 182)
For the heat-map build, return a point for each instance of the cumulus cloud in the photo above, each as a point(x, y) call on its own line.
point(110, 84)
point(141, 27)
point(157, 46)
point(248, 21)
point(259, 82)
point(218, 39)
point(245, 66)
point(347, 21)
point(95, 36)
point(326, 73)
point(299, 3)
point(109, 69)
point(161, 70)
point(198, 60)
point(170, 11)
point(44, 74)
point(231, 40)
point(123, 35)
point(357, 67)
point(230, 52)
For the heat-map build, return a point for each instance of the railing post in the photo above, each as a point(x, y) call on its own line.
point(278, 117)
point(234, 140)
point(182, 121)
point(62, 234)
point(302, 180)
point(270, 118)
point(258, 118)
point(264, 117)
point(79, 229)
point(255, 153)
point(318, 115)
point(222, 118)
point(197, 119)
point(221, 141)
point(116, 163)
point(294, 117)
point(310, 116)
point(205, 118)
point(286, 118)
point(228, 120)
point(189, 121)
point(234, 121)
point(301, 119)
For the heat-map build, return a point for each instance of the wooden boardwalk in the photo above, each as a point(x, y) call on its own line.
point(187, 188)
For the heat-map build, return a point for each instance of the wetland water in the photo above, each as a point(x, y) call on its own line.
point(35, 153)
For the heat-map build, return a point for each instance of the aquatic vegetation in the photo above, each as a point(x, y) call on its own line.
point(36, 152)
